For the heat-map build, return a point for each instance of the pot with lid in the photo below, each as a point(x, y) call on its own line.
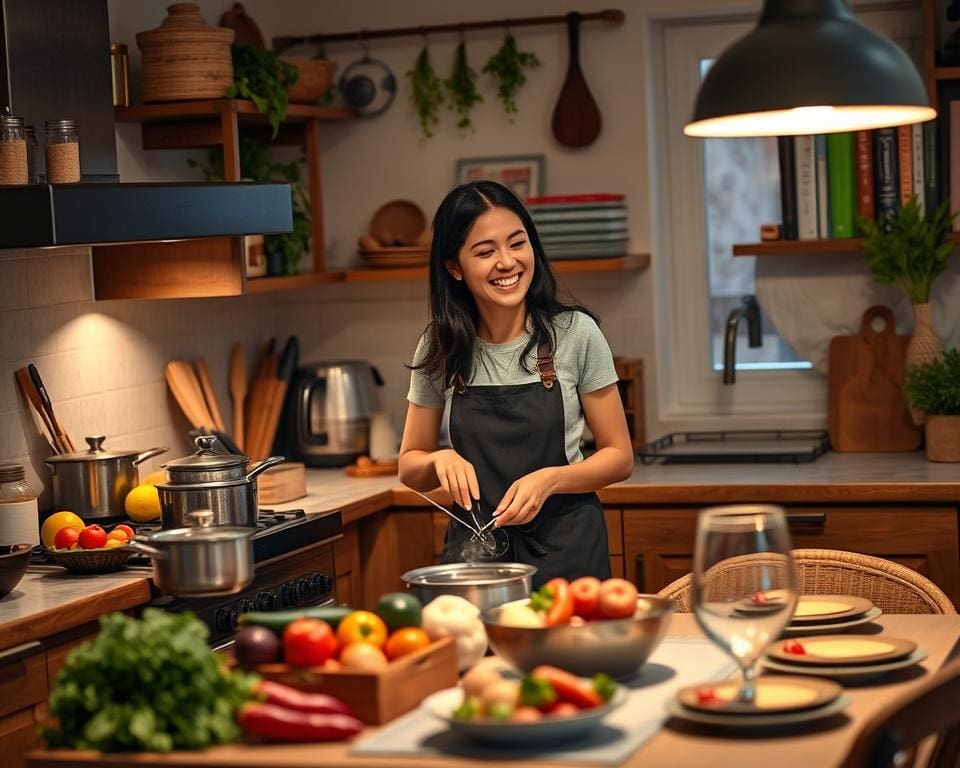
point(484, 584)
point(218, 482)
point(94, 483)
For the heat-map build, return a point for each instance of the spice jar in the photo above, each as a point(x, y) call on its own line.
point(120, 72)
point(13, 150)
point(19, 521)
point(63, 152)
point(33, 177)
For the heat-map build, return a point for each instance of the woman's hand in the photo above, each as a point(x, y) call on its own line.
point(523, 500)
point(457, 476)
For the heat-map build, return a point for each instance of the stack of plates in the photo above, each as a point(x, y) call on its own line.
point(846, 658)
point(827, 614)
point(581, 226)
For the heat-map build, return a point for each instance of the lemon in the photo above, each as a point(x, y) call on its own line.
point(160, 476)
point(55, 522)
point(113, 544)
point(143, 503)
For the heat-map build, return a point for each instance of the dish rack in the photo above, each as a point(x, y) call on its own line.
point(737, 447)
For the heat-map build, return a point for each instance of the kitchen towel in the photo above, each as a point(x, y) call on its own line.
point(678, 662)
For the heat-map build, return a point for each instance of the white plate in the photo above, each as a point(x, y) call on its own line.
point(860, 673)
point(755, 722)
point(797, 630)
point(442, 704)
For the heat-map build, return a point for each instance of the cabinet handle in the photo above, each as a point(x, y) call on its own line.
point(640, 580)
point(807, 519)
point(10, 655)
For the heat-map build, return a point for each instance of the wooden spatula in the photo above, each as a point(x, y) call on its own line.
point(33, 396)
point(186, 391)
point(238, 391)
point(206, 386)
point(576, 119)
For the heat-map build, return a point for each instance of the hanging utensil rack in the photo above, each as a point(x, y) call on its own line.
point(611, 16)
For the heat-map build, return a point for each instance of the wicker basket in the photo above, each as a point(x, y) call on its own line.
point(185, 58)
point(315, 78)
point(91, 560)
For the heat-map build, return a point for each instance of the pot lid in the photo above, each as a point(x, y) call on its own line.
point(96, 452)
point(209, 533)
point(207, 458)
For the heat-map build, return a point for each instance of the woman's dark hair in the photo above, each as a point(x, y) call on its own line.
point(451, 334)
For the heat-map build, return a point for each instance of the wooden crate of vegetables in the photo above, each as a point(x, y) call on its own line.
point(381, 663)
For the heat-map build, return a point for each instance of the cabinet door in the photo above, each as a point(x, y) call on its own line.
point(18, 735)
point(23, 693)
point(346, 558)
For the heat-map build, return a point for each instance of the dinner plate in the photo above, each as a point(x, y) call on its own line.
point(799, 630)
point(775, 694)
point(442, 704)
point(842, 650)
point(860, 673)
point(758, 721)
point(821, 609)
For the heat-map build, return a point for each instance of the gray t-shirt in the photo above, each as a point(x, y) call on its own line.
point(582, 358)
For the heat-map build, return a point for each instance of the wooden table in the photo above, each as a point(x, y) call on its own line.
point(672, 747)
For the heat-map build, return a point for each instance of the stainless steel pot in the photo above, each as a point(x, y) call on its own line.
point(94, 483)
point(202, 561)
point(207, 465)
point(484, 584)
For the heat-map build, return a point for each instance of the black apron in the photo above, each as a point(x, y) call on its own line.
point(507, 432)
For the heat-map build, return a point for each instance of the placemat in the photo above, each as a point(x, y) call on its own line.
point(678, 662)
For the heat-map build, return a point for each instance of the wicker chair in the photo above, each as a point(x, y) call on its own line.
point(892, 587)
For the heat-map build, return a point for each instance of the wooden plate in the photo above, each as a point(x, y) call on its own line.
point(399, 221)
point(843, 650)
point(852, 675)
point(755, 721)
point(774, 695)
point(829, 628)
point(821, 609)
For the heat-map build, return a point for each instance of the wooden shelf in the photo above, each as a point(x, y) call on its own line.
point(800, 247)
point(946, 73)
point(291, 282)
point(185, 111)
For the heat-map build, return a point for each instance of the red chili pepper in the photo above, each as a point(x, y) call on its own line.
point(274, 723)
point(794, 647)
point(569, 687)
point(290, 698)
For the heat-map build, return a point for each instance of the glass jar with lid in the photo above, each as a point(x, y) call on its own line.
point(19, 521)
point(63, 152)
point(13, 150)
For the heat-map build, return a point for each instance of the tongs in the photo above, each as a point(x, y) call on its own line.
point(476, 528)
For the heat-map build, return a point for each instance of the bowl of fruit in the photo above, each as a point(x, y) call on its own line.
point(586, 627)
point(90, 548)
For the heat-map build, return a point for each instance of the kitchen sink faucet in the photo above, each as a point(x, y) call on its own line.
point(750, 310)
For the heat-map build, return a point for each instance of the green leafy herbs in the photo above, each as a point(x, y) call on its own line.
point(427, 92)
point(909, 249)
point(262, 77)
point(934, 387)
point(145, 685)
point(462, 87)
point(507, 67)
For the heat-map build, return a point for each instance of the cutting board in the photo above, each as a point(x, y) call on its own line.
point(866, 408)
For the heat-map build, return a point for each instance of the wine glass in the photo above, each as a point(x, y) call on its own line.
point(744, 583)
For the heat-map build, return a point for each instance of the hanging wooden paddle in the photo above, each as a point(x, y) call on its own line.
point(576, 119)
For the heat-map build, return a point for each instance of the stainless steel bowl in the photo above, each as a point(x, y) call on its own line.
point(484, 584)
point(618, 647)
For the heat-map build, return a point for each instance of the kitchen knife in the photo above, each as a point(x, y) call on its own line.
point(33, 396)
point(64, 438)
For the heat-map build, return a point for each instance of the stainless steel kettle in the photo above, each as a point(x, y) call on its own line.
point(328, 415)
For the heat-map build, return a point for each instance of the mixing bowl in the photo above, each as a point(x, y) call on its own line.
point(484, 584)
point(618, 647)
point(14, 559)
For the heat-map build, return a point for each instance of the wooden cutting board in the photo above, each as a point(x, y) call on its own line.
point(866, 408)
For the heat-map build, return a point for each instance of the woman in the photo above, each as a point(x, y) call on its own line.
point(520, 371)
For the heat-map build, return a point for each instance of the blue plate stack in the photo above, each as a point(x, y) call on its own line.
point(581, 226)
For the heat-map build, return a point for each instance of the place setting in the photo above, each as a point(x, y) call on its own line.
point(848, 659)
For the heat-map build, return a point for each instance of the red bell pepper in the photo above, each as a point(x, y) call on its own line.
point(274, 723)
point(555, 600)
point(569, 687)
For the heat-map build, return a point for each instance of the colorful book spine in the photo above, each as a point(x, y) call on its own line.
point(919, 192)
point(805, 161)
point(841, 176)
point(788, 186)
point(931, 169)
point(823, 195)
point(905, 161)
point(865, 209)
point(886, 175)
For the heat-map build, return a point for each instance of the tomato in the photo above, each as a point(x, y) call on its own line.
point(706, 695)
point(308, 643)
point(126, 529)
point(555, 601)
point(405, 640)
point(93, 537)
point(399, 609)
point(586, 592)
point(120, 536)
point(362, 627)
point(66, 538)
point(363, 656)
point(794, 647)
point(617, 599)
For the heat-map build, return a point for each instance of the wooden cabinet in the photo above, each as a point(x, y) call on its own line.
point(658, 541)
point(346, 560)
point(23, 693)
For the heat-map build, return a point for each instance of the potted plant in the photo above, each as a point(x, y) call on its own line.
point(934, 389)
point(910, 250)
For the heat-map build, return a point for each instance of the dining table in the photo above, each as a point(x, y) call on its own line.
point(675, 744)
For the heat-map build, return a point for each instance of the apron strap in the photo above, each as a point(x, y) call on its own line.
point(545, 367)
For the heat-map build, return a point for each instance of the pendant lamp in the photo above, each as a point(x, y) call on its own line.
point(808, 67)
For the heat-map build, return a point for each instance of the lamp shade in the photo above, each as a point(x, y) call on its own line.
point(808, 67)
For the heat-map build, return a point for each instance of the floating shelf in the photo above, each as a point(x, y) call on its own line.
point(801, 247)
point(946, 73)
point(184, 111)
point(291, 282)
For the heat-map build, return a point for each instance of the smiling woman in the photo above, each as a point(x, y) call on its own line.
point(521, 372)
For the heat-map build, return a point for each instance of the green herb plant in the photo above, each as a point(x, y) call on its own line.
point(934, 387)
point(507, 67)
point(262, 77)
point(462, 87)
point(909, 249)
point(145, 685)
point(427, 92)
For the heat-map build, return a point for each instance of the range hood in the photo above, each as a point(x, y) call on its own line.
point(55, 64)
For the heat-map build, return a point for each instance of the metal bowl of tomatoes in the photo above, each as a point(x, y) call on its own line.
point(618, 647)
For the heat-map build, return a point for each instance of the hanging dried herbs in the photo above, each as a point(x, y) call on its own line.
point(427, 94)
point(462, 87)
point(506, 66)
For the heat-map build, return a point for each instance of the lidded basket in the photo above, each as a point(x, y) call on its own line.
point(185, 58)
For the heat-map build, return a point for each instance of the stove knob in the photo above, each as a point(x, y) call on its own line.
point(321, 583)
point(222, 620)
point(288, 594)
point(245, 606)
point(303, 589)
point(264, 601)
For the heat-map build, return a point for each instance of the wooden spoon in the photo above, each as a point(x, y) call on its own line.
point(186, 390)
point(238, 390)
point(576, 119)
point(206, 386)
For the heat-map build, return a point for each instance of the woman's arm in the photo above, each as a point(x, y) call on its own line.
point(612, 462)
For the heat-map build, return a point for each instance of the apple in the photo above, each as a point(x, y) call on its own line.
point(617, 599)
point(585, 591)
point(66, 538)
point(93, 537)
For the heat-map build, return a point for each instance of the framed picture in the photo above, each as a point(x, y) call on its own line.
point(524, 174)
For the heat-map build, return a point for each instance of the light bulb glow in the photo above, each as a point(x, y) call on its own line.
point(801, 121)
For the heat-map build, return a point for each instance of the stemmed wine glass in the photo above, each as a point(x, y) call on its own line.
point(744, 583)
